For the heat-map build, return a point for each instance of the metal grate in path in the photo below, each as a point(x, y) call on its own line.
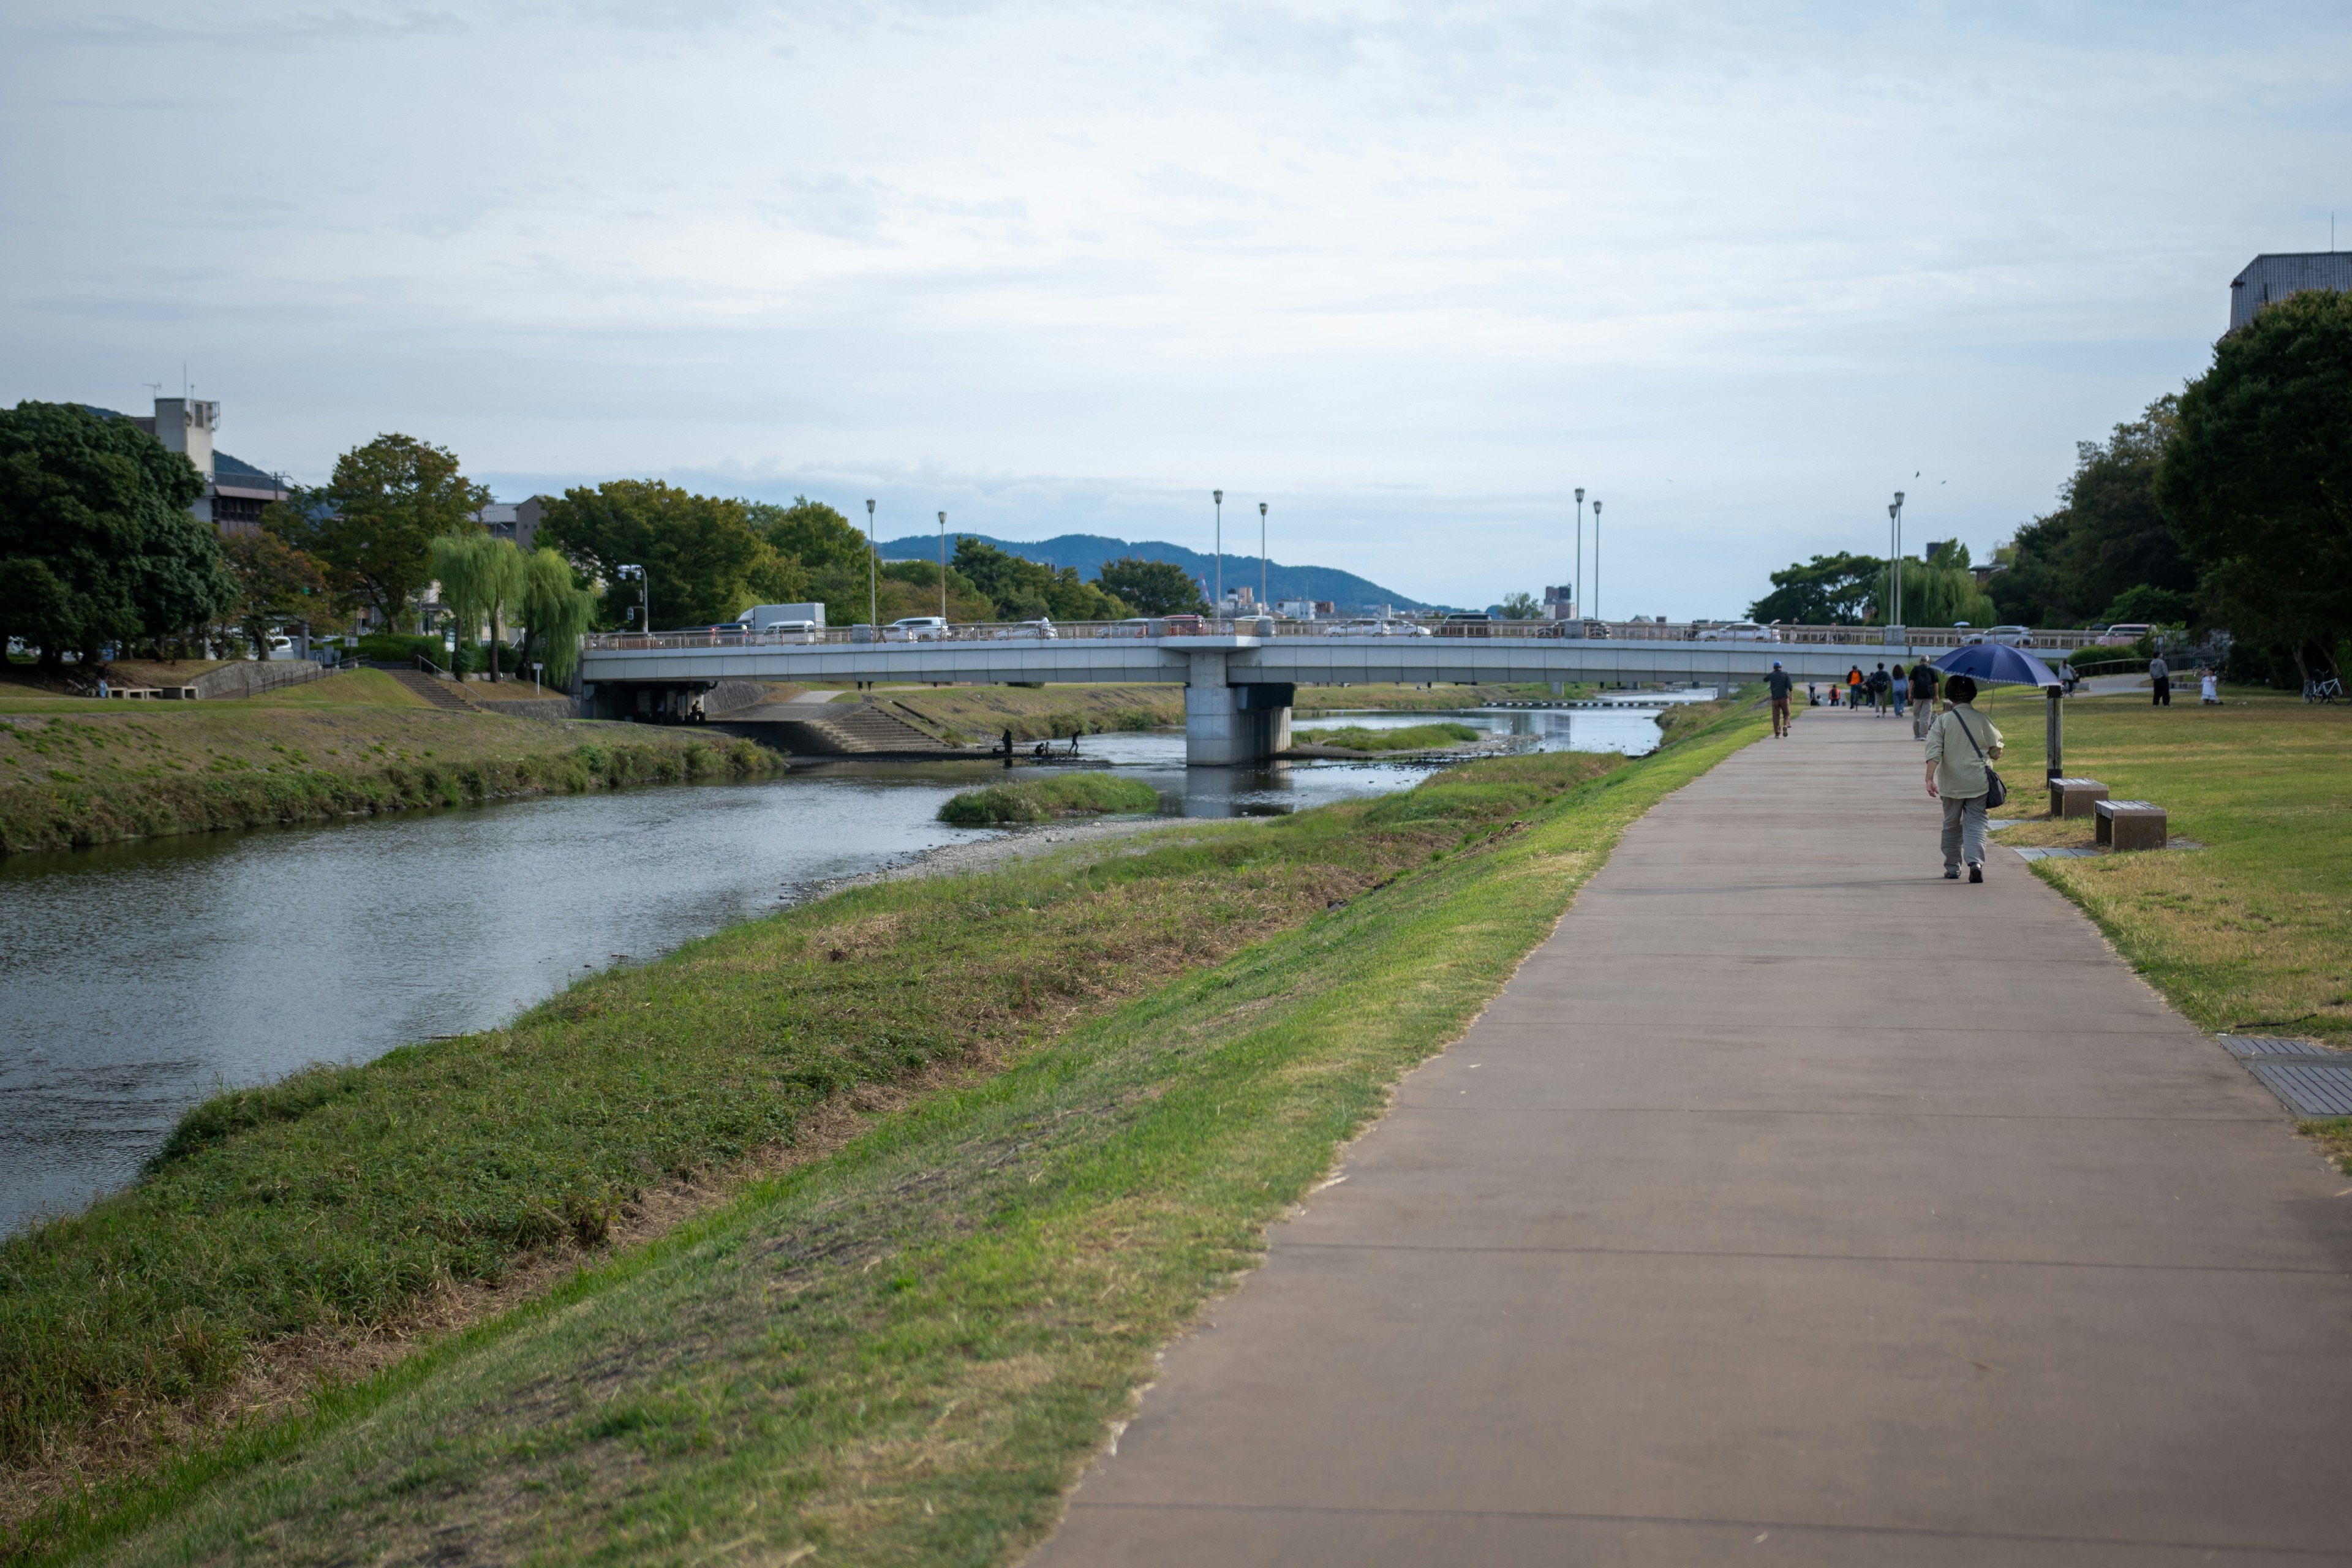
point(2309, 1079)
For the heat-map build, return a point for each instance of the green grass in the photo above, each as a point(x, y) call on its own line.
point(1413, 738)
point(1041, 800)
point(2252, 932)
point(902, 1353)
point(93, 772)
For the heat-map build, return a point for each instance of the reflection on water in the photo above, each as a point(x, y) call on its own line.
point(142, 977)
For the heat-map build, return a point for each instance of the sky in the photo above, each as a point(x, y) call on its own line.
point(1409, 274)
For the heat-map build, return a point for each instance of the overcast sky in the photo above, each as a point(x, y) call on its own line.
point(1409, 273)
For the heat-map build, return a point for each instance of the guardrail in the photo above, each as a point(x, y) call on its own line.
point(1266, 627)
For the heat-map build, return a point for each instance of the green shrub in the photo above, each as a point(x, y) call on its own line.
point(1414, 738)
point(399, 647)
point(1069, 795)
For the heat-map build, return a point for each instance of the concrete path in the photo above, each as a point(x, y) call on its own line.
point(1701, 1246)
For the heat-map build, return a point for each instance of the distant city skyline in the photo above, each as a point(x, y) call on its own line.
point(1408, 276)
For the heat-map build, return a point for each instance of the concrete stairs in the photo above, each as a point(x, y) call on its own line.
point(439, 692)
point(817, 726)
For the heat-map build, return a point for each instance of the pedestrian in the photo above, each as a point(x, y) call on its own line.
point(1959, 759)
point(1879, 683)
point(2161, 674)
point(2208, 689)
point(1853, 687)
point(1923, 699)
point(1902, 688)
point(1779, 684)
point(1813, 695)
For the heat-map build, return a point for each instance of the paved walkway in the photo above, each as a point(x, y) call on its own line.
point(1702, 1248)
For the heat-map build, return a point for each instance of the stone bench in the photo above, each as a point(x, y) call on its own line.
point(2130, 825)
point(135, 693)
point(2075, 797)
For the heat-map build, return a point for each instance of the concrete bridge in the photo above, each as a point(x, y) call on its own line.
point(1238, 686)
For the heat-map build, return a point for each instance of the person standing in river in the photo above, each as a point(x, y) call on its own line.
point(1779, 684)
point(1962, 747)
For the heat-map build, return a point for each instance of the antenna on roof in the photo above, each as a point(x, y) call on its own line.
point(156, 387)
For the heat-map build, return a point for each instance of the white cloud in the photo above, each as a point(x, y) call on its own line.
point(1413, 271)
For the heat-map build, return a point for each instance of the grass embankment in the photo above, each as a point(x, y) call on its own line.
point(85, 773)
point(1413, 738)
point(2252, 934)
point(963, 714)
point(903, 1352)
point(1043, 800)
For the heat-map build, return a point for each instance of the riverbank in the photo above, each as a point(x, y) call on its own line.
point(962, 715)
point(1161, 1042)
point(82, 772)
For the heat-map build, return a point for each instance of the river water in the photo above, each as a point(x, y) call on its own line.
point(140, 978)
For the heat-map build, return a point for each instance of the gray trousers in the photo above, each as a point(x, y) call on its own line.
point(1964, 830)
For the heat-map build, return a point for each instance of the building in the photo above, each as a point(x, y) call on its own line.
point(2270, 278)
point(1560, 602)
point(234, 491)
point(517, 519)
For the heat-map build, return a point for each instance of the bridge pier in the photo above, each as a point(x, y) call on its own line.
point(1227, 725)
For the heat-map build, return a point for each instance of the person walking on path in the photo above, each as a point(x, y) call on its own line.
point(1923, 699)
point(1880, 683)
point(1779, 684)
point(1958, 761)
point(1902, 688)
point(2161, 674)
point(1853, 687)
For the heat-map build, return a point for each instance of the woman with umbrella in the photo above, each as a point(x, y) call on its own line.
point(1963, 744)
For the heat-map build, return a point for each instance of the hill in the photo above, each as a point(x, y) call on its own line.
point(1088, 552)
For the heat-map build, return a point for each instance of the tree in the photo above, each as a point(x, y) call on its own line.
point(2257, 483)
point(276, 582)
point(1026, 590)
point(374, 520)
point(1938, 592)
point(95, 542)
point(1521, 606)
point(557, 609)
point(1153, 587)
point(480, 578)
point(1827, 590)
point(698, 552)
point(2107, 536)
point(809, 530)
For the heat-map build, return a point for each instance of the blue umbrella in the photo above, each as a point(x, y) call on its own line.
point(1998, 664)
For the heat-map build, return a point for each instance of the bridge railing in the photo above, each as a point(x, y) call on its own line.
point(1177, 627)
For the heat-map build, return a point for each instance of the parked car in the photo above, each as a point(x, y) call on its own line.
point(2123, 634)
point(1739, 631)
point(915, 629)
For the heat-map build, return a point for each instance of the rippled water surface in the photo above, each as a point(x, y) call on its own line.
point(139, 978)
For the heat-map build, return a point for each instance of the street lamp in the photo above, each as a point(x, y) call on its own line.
point(1264, 605)
point(638, 573)
point(1596, 558)
point(1219, 607)
point(1576, 573)
point(873, 575)
point(944, 570)
point(1895, 513)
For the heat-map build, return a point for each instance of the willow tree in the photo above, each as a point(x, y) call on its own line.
point(556, 611)
point(481, 579)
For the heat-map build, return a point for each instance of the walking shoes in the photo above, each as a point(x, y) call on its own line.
point(1975, 873)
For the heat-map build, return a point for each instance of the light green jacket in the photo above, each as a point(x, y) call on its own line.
point(1958, 774)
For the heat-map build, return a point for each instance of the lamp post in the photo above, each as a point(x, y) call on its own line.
point(1264, 603)
point(944, 570)
point(1576, 573)
point(1218, 608)
point(1895, 511)
point(873, 575)
point(645, 595)
point(1596, 558)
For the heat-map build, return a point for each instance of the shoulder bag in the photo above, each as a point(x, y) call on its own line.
point(1996, 792)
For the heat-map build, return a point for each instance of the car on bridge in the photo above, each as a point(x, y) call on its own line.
point(915, 629)
point(1040, 628)
point(1739, 631)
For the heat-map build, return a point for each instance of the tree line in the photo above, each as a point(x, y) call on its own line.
point(98, 550)
point(2227, 506)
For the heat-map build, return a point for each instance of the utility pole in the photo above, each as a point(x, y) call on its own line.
point(1576, 573)
point(1264, 603)
point(943, 568)
point(1596, 558)
point(1895, 511)
point(873, 575)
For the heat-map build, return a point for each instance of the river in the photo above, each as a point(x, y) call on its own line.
point(140, 978)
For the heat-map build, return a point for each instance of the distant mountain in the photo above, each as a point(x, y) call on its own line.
point(1088, 552)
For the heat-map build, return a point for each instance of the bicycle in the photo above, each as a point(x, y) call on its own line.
point(2328, 690)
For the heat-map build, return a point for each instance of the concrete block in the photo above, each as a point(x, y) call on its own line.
point(2075, 797)
point(2130, 825)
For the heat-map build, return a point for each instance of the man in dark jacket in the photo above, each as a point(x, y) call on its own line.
point(1923, 699)
point(1779, 684)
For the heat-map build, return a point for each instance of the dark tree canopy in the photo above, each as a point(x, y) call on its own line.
point(373, 523)
point(1827, 590)
point(2106, 538)
point(2257, 485)
point(810, 530)
point(1023, 590)
point(698, 552)
point(95, 542)
point(1153, 587)
point(275, 583)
